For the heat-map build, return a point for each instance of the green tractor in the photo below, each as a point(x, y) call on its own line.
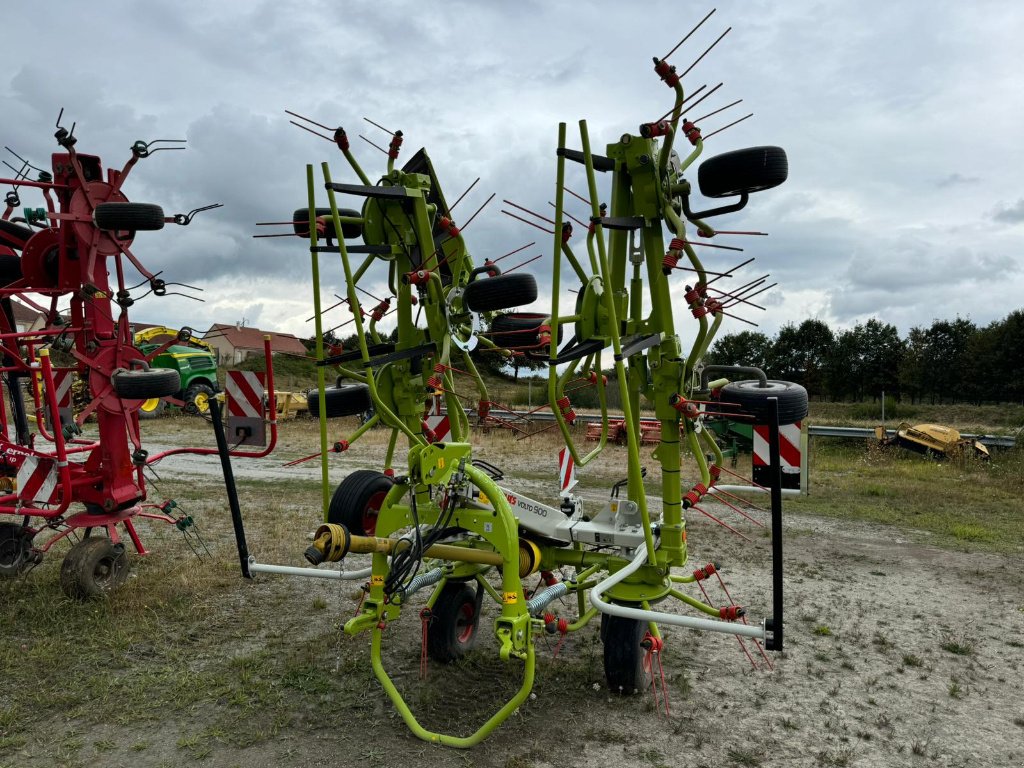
point(193, 359)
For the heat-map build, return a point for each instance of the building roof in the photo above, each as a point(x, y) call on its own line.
point(25, 315)
point(241, 337)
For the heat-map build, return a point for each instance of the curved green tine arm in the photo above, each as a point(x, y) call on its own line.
point(666, 148)
point(389, 455)
point(355, 167)
point(574, 263)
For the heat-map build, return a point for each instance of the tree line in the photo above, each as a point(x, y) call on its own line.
point(951, 361)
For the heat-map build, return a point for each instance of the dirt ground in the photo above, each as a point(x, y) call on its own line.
point(898, 653)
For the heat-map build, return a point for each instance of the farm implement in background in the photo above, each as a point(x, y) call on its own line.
point(438, 520)
point(56, 482)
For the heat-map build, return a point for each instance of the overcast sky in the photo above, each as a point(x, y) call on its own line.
point(902, 122)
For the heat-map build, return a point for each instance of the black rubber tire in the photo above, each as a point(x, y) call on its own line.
point(340, 400)
point(357, 500)
point(500, 292)
point(455, 618)
point(624, 656)
point(14, 235)
point(152, 408)
point(197, 399)
point(142, 385)
point(743, 170)
point(300, 222)
point(128, 217)
point(10, 269)
point(512, 330)
point(94, 567)
point(15, 549)
point(753, 399)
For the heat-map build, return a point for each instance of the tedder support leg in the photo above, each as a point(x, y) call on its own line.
point(774, 641)
point(229, 484)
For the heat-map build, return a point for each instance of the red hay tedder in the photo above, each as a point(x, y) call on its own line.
point(54, 481)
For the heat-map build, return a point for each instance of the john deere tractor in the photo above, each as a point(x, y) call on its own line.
point(193, 359)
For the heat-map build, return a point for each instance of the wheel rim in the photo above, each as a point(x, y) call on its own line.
point(371, 511)
point(202, 402)
point(465, 622)
point(149, 406)
point(105, 572)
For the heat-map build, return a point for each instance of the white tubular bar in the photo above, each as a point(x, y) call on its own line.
point(313, 573)
point(690, 622)
point(753, 489)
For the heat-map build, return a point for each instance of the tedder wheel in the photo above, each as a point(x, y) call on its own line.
point(623, 655)
point(358, 499)
point(128, 217)
point(743, 170)
point(15, 549)
point(300, 221)
point(152, 408)
point(452, 629)
point(93, 567)
point(14, 235)
point(500, 292)
point(752, 398)
point(10, 268)
point(340, 400)
point(198, 398)
point(514, 329)
point(142, 385)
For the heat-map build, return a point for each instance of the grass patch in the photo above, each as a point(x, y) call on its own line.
point(961, 502)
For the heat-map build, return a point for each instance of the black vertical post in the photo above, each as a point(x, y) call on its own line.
point(774, 624)
point(229, 483)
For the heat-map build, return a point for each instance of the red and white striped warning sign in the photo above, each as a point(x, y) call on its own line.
point(37, 479)
point(440, 427)
point(62, 381)
point(566, 470)
point(789, 454)
point(245, 393)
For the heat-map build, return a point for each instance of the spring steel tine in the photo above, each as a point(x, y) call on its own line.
point(372, 144)
point(527, 210)
point(752, 295)
point(566, 213)
point(517, 266)
point(470, 219)
point(730, 125)
point(673, 107)
point(308, 120)
point(280, 234)
point(721, 109)
point(326, 310)
point(688, 34)
point(702, 233)
point(745, 291)
point(727, 31)
point(327, 138)
point(706, 271)
point(367, 293)
point(728, 272)
point(714, 245)
point(578, 197)
point(517, 250)
point(741, 319)
point(452, 206)
point(525, 221)
point(698, 101)
point(734, 299)
point(379, 126)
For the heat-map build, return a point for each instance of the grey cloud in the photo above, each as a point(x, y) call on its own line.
point(956, 179)
point(1010, 214)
